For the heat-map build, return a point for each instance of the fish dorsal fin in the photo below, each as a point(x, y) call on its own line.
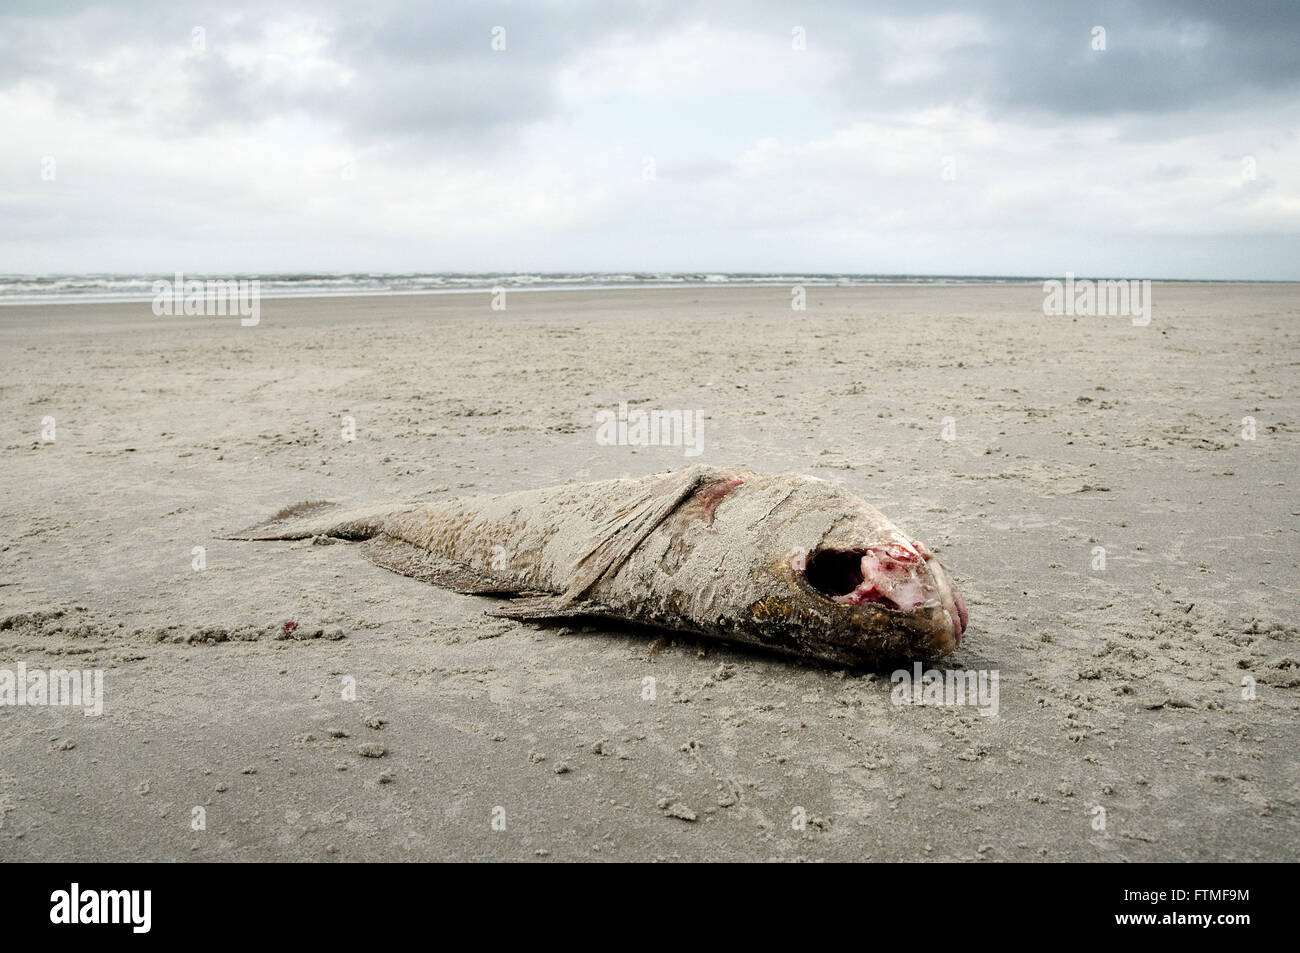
point(628, 528)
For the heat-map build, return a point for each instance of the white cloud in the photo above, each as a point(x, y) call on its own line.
point(238, 156)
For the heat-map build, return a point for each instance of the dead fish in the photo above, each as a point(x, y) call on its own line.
point(789, 563)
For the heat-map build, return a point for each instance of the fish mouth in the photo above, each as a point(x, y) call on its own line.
point(897, 577)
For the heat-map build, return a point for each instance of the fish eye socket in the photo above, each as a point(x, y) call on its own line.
point(834, 572)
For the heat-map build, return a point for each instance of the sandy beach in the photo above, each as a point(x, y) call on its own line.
point(1125, 691)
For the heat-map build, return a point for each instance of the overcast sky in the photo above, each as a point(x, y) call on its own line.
point(913, 136)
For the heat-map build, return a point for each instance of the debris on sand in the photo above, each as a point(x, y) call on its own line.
point(671, 807)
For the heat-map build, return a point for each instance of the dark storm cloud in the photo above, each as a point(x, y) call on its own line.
point(1161, 55)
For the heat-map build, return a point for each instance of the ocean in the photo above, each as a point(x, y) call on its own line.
point(93, 288)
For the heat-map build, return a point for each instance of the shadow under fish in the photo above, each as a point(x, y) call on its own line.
point(789, 563)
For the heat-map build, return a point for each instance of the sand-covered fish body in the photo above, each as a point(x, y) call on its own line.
point(790, 563)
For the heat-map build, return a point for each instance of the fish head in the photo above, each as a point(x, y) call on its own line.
point(861, 589)
point(893, 593)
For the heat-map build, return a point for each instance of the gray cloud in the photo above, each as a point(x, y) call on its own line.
point(423, 71)
point(1161, 56)
point(426, 71)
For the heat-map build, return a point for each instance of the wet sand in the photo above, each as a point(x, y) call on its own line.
point(1121, 688)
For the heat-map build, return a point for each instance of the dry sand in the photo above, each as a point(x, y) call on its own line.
point(1119, 688)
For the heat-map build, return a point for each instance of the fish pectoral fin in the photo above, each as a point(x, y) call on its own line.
point(628, 529)
point(551, 609)
point(409, 560)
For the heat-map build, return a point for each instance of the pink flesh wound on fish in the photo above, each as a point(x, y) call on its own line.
point(710, 495)
point(894, 576)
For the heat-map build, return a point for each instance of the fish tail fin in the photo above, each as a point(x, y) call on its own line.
point(321, 518)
